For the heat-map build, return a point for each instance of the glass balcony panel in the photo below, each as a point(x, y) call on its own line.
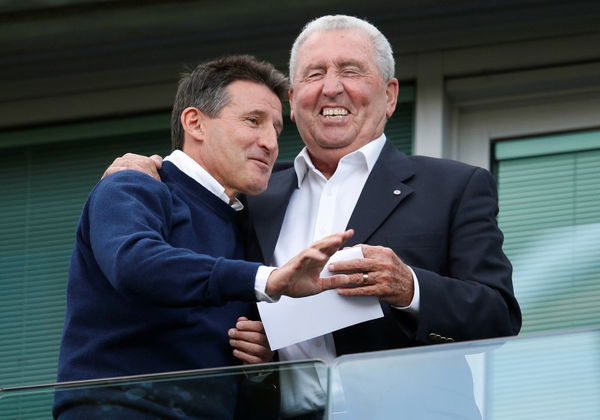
point(551, 376)
point(249, 392)
point(554, 376)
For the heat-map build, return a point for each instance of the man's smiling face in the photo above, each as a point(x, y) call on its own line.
point(339, 99)
point(240, 145)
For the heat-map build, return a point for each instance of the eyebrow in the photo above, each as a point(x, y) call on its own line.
point(260, 113)
point(350, 63)
point(313, 66)
point(338, 65)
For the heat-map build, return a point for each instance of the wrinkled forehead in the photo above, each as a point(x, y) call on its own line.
point(336, 46)
point(332, 37)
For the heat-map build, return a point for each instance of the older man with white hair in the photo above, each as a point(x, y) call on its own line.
point(433, 251)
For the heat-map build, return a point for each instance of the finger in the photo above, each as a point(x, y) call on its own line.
point(148, 165)
point(262, 351)
point(249, 336)
point(251, 326)
point(111, 170)
point(135, 166)
point(250, 358)
point(371, 290)
point(362, 279)
point(314, 255)
point(121, 164)
point(330, 245)
point(334, 240)
point(362, 265)
point(372, 251)
point(251, 347)
point(147, 169)
point(158, 160)
point(337, 281)
point(347, 234)
point(337, 238)
point(349, 280)
point(342, 237)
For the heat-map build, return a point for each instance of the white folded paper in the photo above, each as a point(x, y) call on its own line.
point(292, 320)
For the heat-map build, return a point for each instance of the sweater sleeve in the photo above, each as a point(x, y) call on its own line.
point(129, 215)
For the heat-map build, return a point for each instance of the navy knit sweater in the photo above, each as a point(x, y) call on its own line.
point(155, 280)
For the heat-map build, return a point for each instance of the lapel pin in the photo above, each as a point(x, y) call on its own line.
point(397, 192)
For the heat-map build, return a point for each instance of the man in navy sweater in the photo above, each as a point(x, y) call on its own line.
point(157, 275)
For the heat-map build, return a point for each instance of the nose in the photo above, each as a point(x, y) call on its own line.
point(268, 141)
point(332, 85)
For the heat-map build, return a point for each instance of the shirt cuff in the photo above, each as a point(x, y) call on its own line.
point(413, 308)
point(260, 284)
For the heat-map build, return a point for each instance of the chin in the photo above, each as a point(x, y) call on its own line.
point(255, 189)
point(335, 142)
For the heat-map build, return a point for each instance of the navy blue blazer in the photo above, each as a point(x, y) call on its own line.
point(442, 224)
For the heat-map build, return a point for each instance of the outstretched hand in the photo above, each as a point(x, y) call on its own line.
point(300, 276)
point(148, 165)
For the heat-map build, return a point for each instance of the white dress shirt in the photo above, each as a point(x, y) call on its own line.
point(194, 170)
point(320, 207)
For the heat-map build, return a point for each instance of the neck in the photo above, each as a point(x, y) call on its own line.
point(196, 155)
point(326, 166)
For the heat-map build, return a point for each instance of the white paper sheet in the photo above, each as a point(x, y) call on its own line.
point(292, 320)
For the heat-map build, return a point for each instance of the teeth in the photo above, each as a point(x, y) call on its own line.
point(334, 112)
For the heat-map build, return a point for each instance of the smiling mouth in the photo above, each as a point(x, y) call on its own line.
point(334, 113)
point(262, 162)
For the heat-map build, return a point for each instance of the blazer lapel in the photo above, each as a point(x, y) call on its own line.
point(267, 210)
point(383, 192)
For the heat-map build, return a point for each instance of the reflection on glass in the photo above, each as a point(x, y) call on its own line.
point(427, 384)
point(244, 393)
point(546, 377)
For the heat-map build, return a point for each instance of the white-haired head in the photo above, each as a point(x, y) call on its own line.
point(384, 58)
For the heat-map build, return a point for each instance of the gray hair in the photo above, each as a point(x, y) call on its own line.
point(384, 58)
point(205, 87)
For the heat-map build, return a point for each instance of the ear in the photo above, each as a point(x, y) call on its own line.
point(291, 100)
point(391, 92)
point(192, 121)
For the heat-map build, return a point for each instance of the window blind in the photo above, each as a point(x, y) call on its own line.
point(550, 214)
point(44, 186)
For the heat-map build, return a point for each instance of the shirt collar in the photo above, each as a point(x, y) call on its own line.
point(369, 153)
point(191, 168)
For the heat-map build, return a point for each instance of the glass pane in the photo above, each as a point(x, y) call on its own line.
point(537, 377)
point(249, 392)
